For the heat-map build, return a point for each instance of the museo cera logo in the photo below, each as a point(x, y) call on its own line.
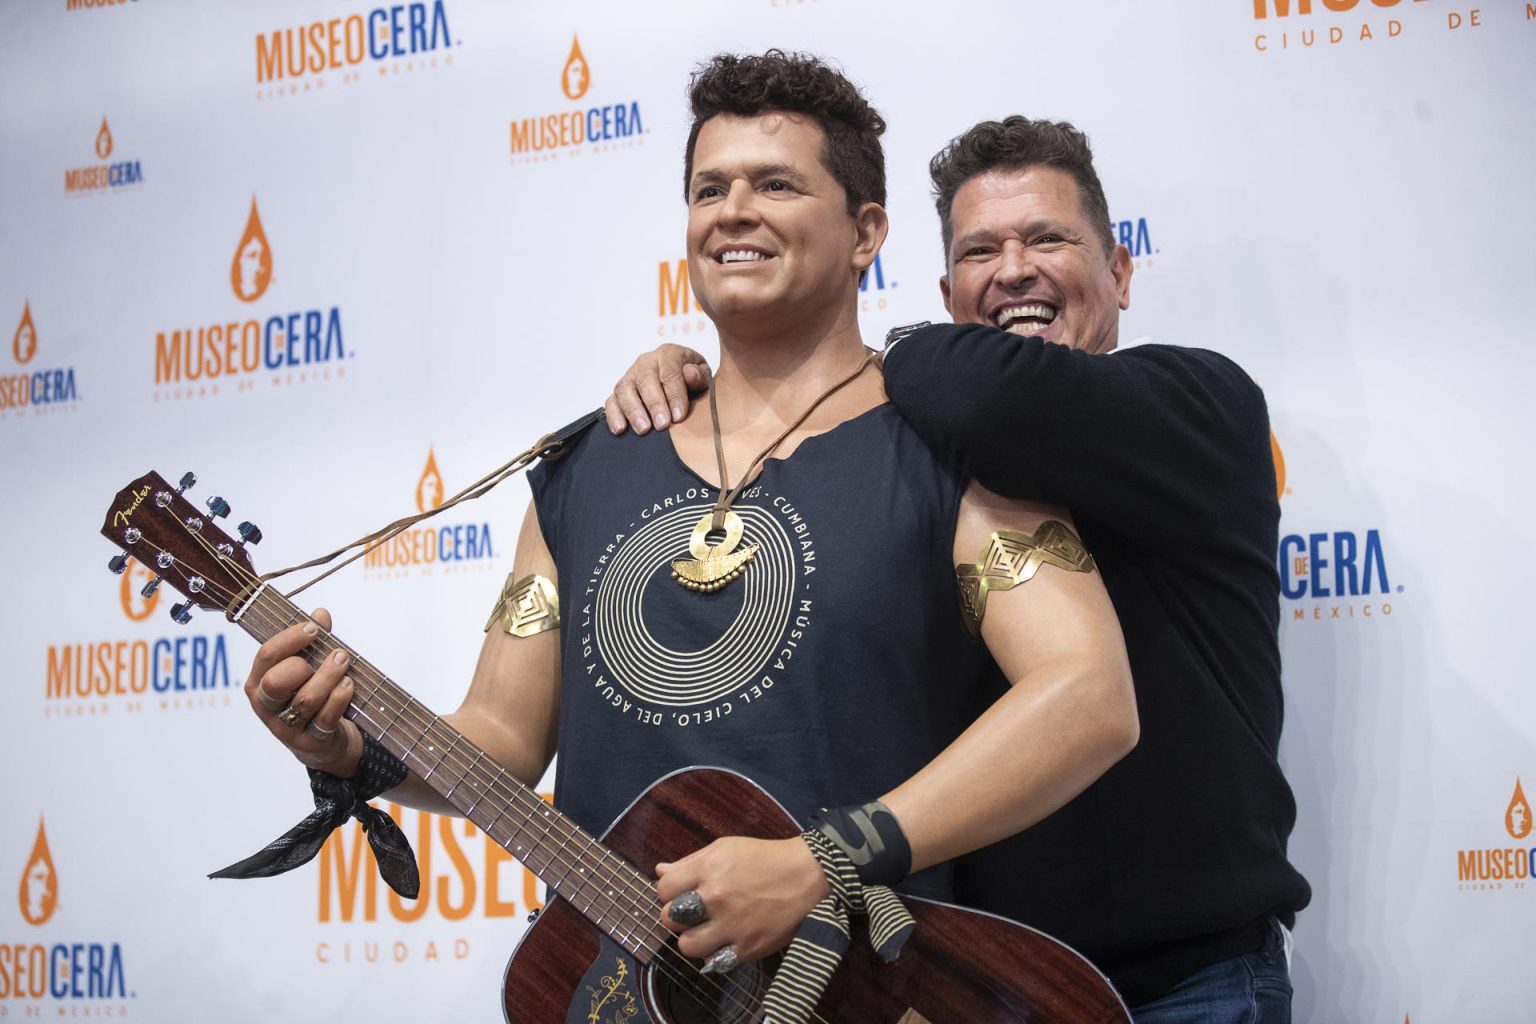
point(24, 341)
point(462, 870)
point(454, 544)
point(41, 387)
point(102, 176)
point(379, 35)
point(283, 342)
point(576, 78)
point(607, 123)
point(64, 970)
point(251, 270)
point(1508, 867)
point(38, 894)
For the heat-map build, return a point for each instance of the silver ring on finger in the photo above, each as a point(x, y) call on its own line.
point(291, 714)
point(320, 730)
point(268, 701)
point(722, 961)
point(688, 909)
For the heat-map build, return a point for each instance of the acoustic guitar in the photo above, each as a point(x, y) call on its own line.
point(597, 953)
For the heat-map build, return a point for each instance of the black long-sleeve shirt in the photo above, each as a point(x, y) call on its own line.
point(1176, 857)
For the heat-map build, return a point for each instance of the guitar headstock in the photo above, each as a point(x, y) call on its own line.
point(155, 524)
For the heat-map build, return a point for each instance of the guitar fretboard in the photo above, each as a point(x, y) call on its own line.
point(608, 890)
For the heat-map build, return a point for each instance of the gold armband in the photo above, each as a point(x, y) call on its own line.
point(1011, 558)
point(526, 607)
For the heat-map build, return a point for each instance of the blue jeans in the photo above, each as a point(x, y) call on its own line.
point(1251, 989)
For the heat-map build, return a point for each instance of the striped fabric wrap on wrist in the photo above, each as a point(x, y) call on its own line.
point(872, 838)
point(823, 937)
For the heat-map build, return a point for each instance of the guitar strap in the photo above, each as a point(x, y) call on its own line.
point(550, 446)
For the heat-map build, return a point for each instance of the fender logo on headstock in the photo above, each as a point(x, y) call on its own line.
point(122, 516)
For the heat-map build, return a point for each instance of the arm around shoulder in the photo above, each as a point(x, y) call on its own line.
point(1154, 440)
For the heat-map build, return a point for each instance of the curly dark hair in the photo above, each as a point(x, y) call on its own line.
point(1013, 144)
point(796, 83)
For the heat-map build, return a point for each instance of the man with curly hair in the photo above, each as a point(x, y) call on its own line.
point(1170, 871)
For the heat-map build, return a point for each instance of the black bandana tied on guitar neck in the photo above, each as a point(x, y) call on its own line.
point(336, 799)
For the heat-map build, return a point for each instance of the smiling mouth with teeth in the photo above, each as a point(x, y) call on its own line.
point(741, 256)
point(1026, 319)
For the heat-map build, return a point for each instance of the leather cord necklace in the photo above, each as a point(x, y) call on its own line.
point(714, 565)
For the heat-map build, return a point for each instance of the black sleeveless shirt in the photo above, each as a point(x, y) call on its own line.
point(833, 669)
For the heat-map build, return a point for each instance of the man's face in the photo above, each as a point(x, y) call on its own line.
point(769, 234)
point(1026, 258)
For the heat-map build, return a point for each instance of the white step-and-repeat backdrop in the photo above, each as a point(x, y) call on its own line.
point(338, 259)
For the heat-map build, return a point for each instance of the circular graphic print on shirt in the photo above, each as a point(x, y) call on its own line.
point(643, 650)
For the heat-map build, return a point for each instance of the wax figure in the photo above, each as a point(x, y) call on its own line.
point(1170, 872)
point(801, 623)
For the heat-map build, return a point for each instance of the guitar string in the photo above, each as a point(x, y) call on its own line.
point(654, 930)
point(451, 757)
point(727, 990)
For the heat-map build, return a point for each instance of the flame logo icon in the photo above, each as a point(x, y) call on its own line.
point(251, 271)
point(39, 891)
point(1518, 818)
point(136, 606)
point(104, 140)
point(577, 77)
point(1274, 449)
point(429, 489)
point(24, 343)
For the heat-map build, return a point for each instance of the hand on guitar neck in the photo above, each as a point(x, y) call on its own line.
point(304, 707)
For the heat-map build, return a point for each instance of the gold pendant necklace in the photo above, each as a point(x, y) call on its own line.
point(714, 565)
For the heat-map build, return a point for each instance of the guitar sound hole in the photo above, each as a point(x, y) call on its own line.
point(681, 995)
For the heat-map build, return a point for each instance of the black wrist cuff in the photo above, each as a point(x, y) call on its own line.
point(871, 837)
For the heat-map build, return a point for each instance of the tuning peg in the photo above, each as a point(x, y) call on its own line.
point(182, 612)
point(250, 533)
point(148, 590)
point(217, 507)
point(187, 480)
point(118, 563)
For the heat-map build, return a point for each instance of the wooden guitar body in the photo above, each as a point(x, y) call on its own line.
point(960, 966)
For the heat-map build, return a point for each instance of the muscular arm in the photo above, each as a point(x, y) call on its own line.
point(1158, 442)
point(1069, 714)
point(510, 710)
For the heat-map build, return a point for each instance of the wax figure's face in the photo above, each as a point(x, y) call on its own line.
point(768, 226)
point(1025, 257)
